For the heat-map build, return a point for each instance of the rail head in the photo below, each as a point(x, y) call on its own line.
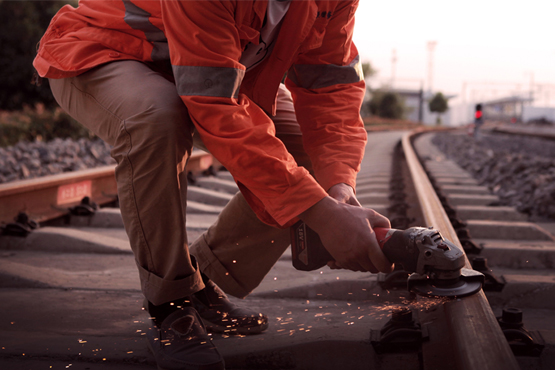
point(477, 338)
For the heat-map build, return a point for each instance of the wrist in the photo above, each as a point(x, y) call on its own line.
point(319, 212)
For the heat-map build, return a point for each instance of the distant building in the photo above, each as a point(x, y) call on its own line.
point(415, 100)
point(544, 115)
point(417, 108)
point(509, 109)
point(414, 103)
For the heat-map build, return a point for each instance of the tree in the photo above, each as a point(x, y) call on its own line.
point(438, 105)
point(386, 104)
point(22, 24)
point(367, 70)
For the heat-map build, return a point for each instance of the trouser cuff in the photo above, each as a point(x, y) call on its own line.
point(213, 268)
point(158, 290)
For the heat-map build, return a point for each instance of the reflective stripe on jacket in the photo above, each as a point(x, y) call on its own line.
point(204, 41)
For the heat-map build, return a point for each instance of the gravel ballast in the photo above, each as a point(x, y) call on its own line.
point(520, 170)
point(27, 160)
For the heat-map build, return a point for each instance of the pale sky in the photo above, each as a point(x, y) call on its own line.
point(491, 45)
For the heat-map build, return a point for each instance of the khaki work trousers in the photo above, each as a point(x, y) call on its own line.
point(136, 109)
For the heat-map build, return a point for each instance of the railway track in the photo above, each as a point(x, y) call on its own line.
point(79, 266)
point(544, 132)
point(516, 255)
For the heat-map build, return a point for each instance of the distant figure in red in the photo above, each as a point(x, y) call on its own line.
point(478, 120)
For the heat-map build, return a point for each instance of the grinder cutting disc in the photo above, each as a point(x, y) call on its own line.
point(469, 282)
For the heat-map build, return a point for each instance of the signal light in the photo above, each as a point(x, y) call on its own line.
point(478, 114)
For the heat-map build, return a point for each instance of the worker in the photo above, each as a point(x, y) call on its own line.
point(478, 121)
point(155, 78)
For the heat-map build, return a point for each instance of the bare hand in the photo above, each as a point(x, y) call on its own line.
point(347, 233)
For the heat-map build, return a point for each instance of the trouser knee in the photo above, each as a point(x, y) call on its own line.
point(164, 131)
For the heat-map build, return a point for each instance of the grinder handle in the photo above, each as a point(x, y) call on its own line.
point(398, 247)
point(383, 235)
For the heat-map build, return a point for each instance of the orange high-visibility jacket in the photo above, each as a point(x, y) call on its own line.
point(204, 41)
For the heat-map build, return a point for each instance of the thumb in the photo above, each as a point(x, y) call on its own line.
point(353, 201)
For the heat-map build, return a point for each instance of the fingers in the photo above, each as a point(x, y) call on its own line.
point(344, 193)
point(375, 254)
point(364, 256)
point(379, 260)
point(333, 265)
point(378, 220)
point(364, 253)
point(369, 267)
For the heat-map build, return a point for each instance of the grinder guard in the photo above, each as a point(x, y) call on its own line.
point(438, 264)
point(468, 283)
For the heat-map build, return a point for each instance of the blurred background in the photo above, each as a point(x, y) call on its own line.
point(28, 112)
point(498, 53)
point(427, 62)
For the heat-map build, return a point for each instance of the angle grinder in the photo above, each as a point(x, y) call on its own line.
point(436, 264)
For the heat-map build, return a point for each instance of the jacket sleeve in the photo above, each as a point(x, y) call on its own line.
point(328, 88)
point(205, 48)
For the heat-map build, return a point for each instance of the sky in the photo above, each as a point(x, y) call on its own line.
point(484, 49)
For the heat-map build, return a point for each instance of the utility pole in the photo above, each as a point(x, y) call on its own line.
point(531, 88)
point(421, 103)
point(463, 96)
point(531, 93)
point(393, 66)
point(431, 48)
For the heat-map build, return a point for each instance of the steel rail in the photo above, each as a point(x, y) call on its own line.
point(534, 131)
point(50, 197)
point(475, 338)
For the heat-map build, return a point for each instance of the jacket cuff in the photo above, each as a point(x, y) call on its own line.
point(336, 173)
point(282, 211)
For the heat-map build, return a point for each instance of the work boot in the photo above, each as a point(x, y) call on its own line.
point(222, 316)
point(180, 342)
